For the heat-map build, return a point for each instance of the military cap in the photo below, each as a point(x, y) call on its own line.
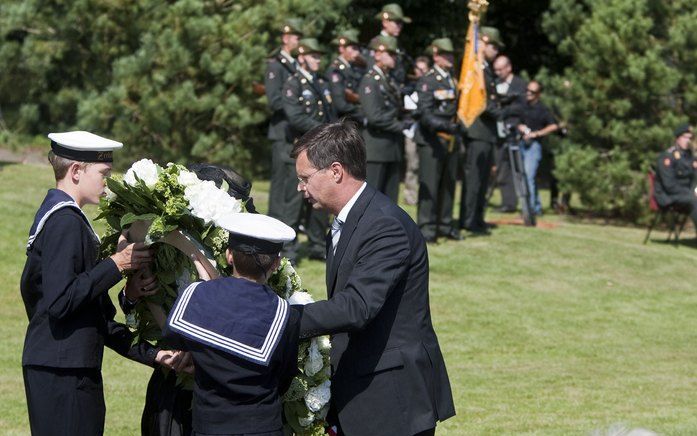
point(83, 146)
point(491, 35)
point(393, 12)
point(384, 43)
point(682, 129)
point(306, 46)
point(440, 45)
point(347, 37)
point(293, 26)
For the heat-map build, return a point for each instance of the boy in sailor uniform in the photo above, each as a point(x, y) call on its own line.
point(65, 292)
point(243, 337)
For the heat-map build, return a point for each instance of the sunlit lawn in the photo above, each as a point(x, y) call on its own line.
point(560, 330)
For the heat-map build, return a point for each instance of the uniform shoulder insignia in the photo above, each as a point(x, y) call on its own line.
point(376, 77)
point(666, 162)
point(424, 87)
point(303, 80)
point(289, 92)
point(271, 75)
point(439, 77)
point(367, 90)
point(694, 164)
point(335, 77)
point(283, 60)
point(342, 66)
point(676, 154)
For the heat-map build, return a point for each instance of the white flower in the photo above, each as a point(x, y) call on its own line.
point(306, 421)
point(146, 170)
point(187, 178)
point(318, 396)
point(110, 196)
point(210, 203)
point(324, 343)
point(314, 361)
point(300, 297)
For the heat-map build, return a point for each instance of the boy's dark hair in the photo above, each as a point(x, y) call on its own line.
point(61, 165)
point(335, 142)
point(256, 266)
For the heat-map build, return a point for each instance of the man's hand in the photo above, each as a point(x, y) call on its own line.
point(130, 256)
point(164, 357)
point(142, 284)
point(180, 361)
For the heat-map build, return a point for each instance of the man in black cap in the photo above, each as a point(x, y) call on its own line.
point(65, 288)
point(343, 76)
point(675, 174)
point(307, 103)
point(381, 103)
point(242, 336)
point(438, 144)
point(280, 67)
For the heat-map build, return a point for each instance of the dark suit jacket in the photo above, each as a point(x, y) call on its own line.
point(389, 377)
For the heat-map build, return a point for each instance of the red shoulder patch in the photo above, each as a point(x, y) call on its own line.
point(666, 161)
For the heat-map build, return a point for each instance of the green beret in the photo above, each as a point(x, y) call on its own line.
point(392, 12)
point(492, 36)
point(682, 129)
point(384, 43)
point(347, 37)
point(293, 26)
point(440, 45)
point(306, 46)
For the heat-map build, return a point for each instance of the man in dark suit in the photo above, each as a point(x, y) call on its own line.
point(388, 373)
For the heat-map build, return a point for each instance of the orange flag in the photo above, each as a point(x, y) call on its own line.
point(472, 87)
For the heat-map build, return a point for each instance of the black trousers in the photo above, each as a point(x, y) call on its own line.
point(504, 178)
point(384, 176)
point(279, 178)
point(167, 410)
point(478, 161)
point(64, 401)
point(437, 174)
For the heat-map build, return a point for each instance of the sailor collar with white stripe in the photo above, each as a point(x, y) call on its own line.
point(236, 316)
point(55, 200)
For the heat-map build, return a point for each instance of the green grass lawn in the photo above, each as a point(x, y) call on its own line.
point(561, 330)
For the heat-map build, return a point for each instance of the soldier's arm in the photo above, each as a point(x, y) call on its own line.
point(666, 174)
point(294, 108)
point(337, 87)
point(274, 86)
point(373, 105)
point(426, 105)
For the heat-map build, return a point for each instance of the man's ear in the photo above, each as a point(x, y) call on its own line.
point(228, 257)
point(337, 171)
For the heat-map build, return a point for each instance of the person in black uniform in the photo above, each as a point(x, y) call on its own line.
point(307, 102)
point(482, 137)
point(167, 410)
point(280, 67)
point(65, 288)
point(381, 103)
point(438, 144)
point(675, 174)
point(343, 77)
point(242, 336)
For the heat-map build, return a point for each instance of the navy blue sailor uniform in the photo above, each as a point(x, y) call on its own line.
point(71, 318)
point(243, 339)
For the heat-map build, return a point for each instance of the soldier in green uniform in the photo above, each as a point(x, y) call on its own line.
point(383, 134)
point(343, 76)
point(482, 137)
point(675, 174)
point(307, 103)
point(392, 18)
point(281, 65)
point(438, 144)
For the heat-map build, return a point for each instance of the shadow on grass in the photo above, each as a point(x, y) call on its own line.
point(683, 242)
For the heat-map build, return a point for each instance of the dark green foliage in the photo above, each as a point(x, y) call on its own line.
point(631, 80)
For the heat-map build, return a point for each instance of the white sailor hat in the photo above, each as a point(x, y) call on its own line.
point(83, 146)
point(256, 233)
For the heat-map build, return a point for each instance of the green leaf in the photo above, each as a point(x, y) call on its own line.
point(130, 218)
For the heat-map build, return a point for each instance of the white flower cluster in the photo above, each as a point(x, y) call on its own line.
point(145, 170)
point(210, 203)
point(187, 178)
point(318, 396)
